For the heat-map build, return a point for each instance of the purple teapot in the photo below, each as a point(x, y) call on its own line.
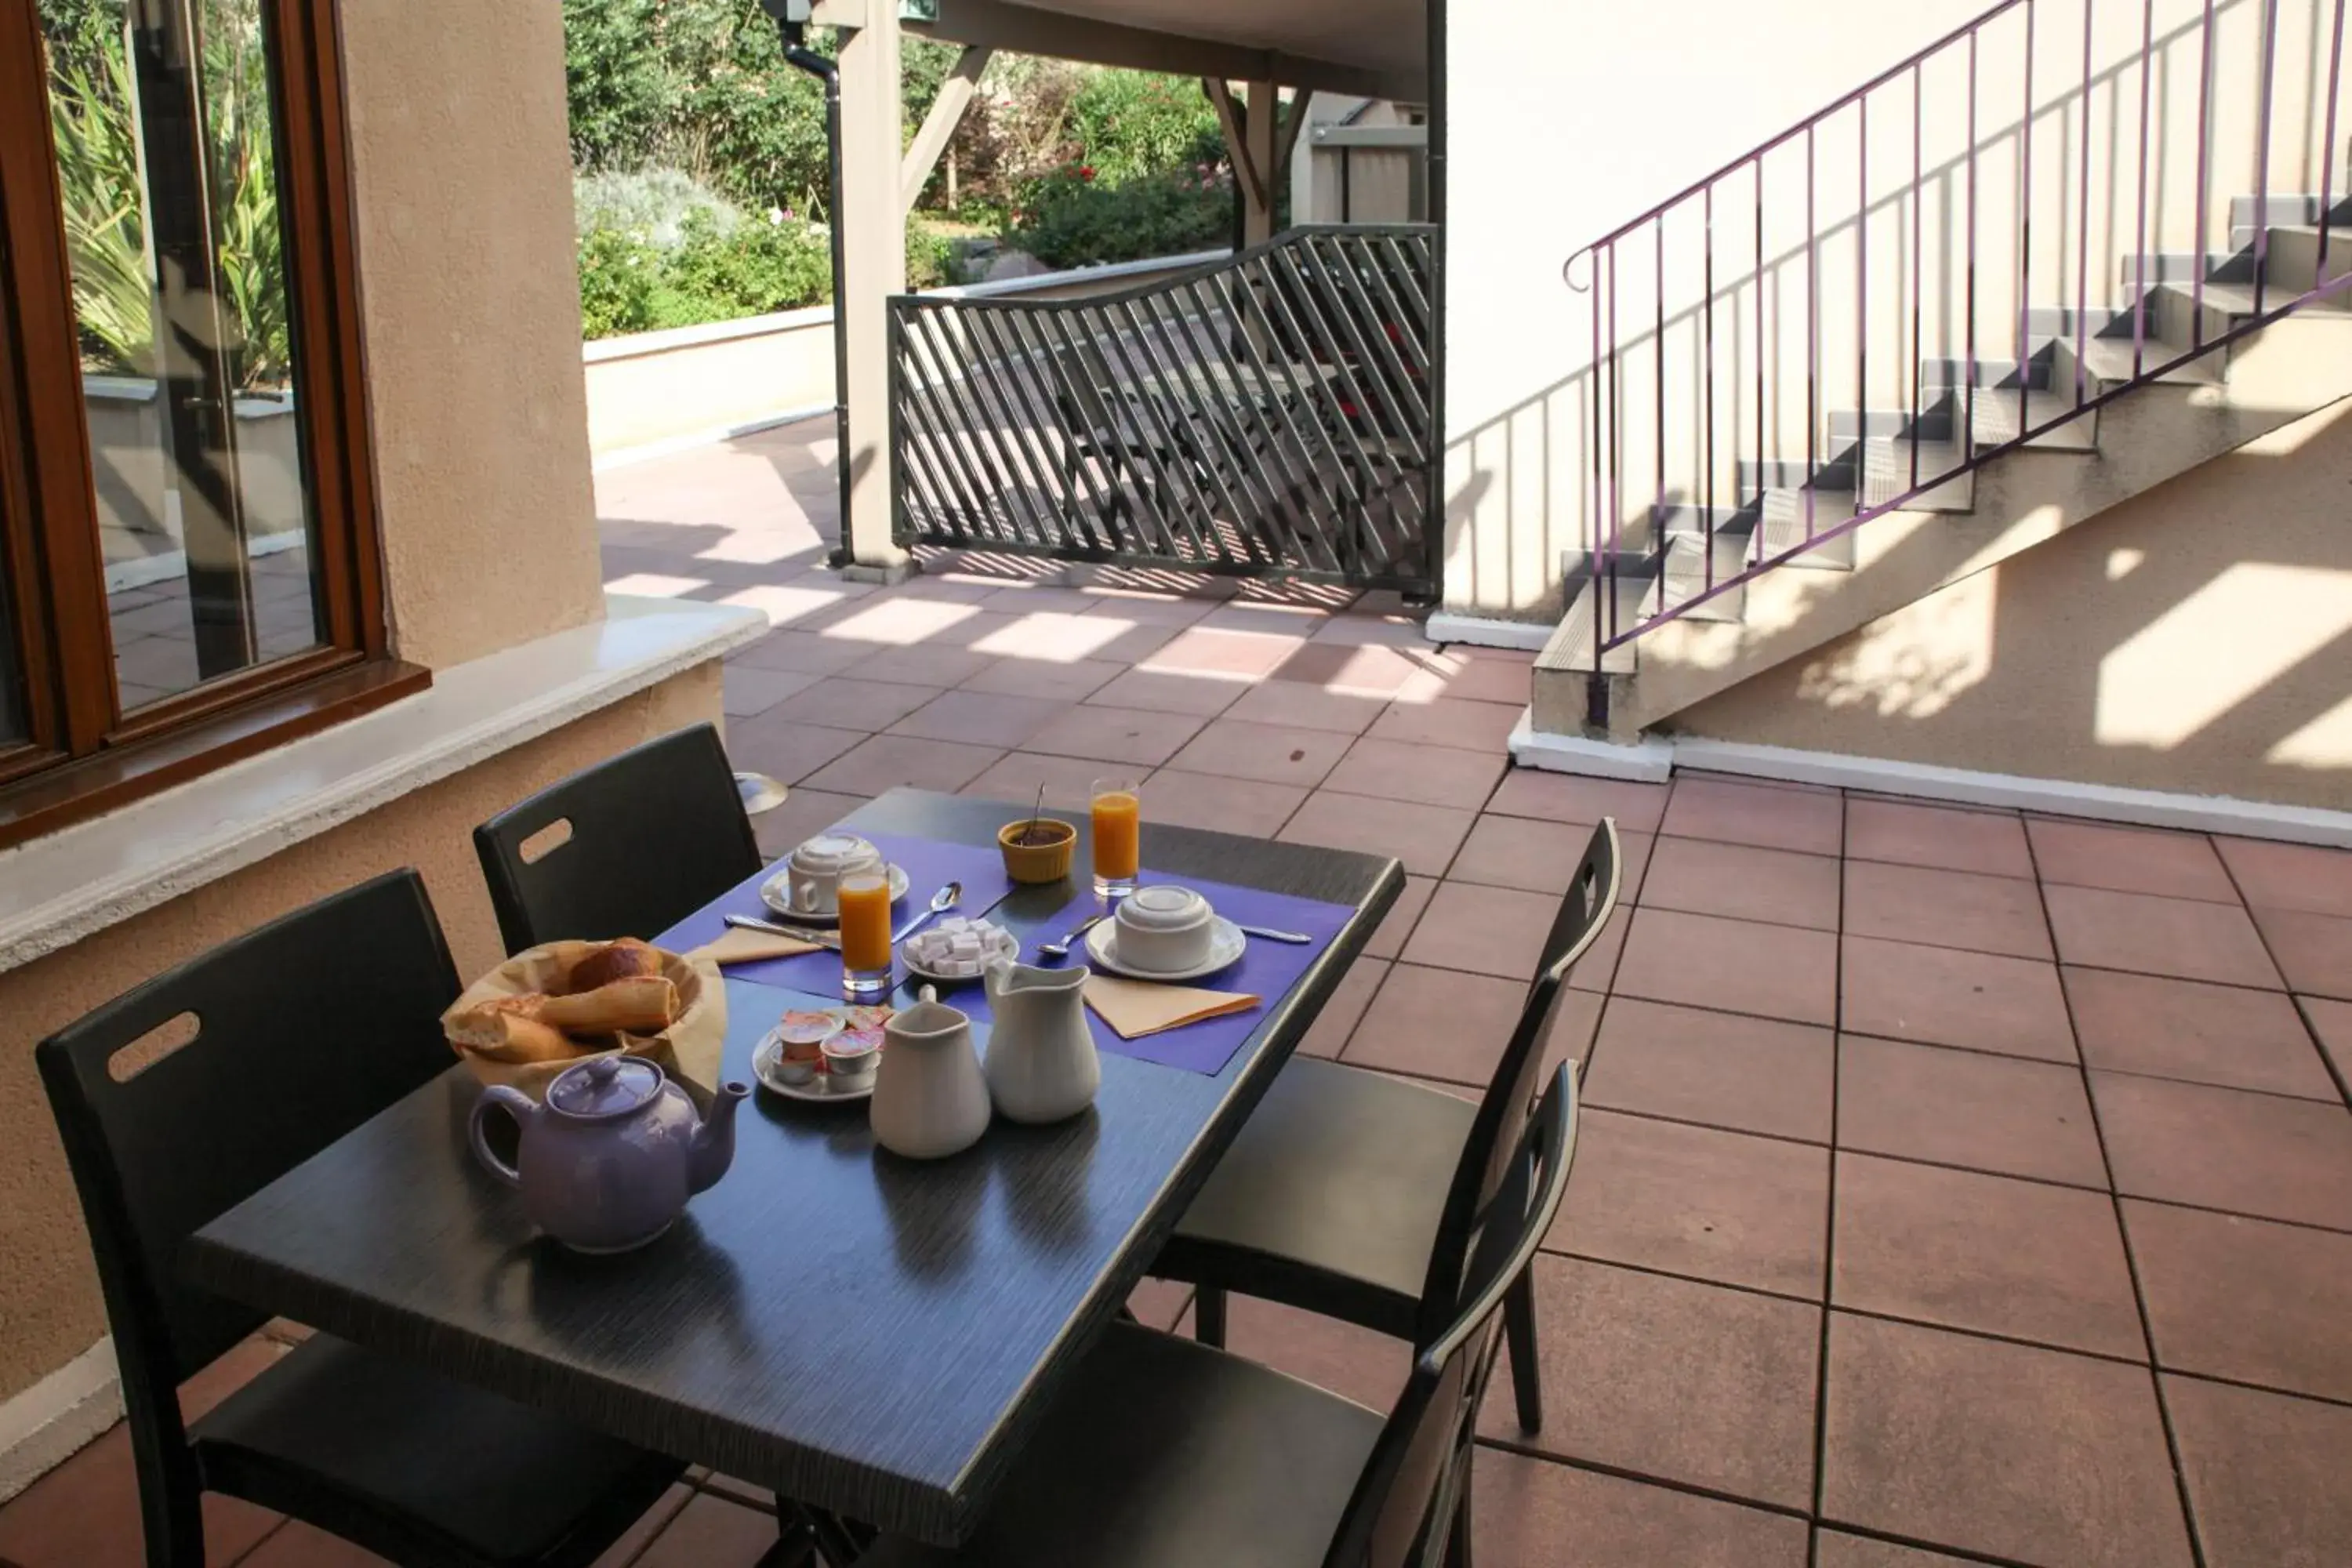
point(608, 1162)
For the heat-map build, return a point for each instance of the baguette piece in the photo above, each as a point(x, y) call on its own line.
point(504, 1034)
point(624, 960)
point(644, 1004)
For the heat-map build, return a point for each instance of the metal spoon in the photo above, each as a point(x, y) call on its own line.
point(1058, 950)
point(942, 902)
point(803, 933)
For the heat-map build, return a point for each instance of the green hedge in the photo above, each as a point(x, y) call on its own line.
point(1074, 217)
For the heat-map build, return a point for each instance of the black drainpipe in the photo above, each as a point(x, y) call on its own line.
point(797, 55)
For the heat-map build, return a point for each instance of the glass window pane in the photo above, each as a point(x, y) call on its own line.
point(162, 116)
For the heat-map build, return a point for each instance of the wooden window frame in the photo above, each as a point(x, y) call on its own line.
point(83, 755)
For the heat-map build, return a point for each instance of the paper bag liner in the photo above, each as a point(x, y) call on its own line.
point(1134, 1008)
point(688, 1051)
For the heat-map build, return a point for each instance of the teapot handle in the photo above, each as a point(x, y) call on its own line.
point(517, 1104)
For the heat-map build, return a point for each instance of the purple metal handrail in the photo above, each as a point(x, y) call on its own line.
point(1912, 397)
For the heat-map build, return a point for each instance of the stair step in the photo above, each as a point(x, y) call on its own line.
point(1570, 647)
point(1887, 468)
point(1786, 524)
point(1995, 420)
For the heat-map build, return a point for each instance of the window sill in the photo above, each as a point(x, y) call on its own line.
point(73, 883)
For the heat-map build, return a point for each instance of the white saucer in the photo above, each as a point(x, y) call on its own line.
point(776, 892)
point(1226, 945)
point(1011, 947)
point(765, 1059)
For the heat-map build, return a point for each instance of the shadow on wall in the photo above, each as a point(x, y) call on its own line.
point(2195, 638)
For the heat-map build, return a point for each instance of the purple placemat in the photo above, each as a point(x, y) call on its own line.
point(930, 865)
point(1267, 970)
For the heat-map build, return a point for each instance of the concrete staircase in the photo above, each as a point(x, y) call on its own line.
point(1735, 622)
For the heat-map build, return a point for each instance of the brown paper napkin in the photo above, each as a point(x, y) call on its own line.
point(740, 946)
point(1138, 1007)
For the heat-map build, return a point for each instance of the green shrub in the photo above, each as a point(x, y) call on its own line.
point(1074, 218)
point(1129, 124)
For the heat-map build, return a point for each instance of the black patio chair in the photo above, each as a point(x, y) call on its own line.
point(1355, 1196)
point(303, 1030)
point(653, 835)
point(1167, 1452)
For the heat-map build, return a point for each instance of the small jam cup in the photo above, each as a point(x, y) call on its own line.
point(850, 1060)
point(1047, 861)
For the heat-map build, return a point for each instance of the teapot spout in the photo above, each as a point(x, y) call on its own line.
point(713, 1146)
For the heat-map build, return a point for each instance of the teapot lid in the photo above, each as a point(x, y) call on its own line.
point(605, 1086)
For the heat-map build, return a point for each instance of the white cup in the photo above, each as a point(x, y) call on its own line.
point(818, 866)
point(1164, 928)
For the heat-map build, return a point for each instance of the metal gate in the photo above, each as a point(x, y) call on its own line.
point(1270, 414)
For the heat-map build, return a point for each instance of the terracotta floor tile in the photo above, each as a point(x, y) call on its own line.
point(1383, 630)
point(734, 1489)
point(804, 814)
point(807, 652)
point(1222, 805)
point(1763, 814)
point(1059, 681)
point(2265, 1475)
point(1299, 705)
point(1754, 1075)
point(1159, 1302)
point(925, 664)
point(1428, 776)
point(784, 747)
point(1836, 1549)
point(85, 1514)
point(1945, 909)
point(1151, 609)
point(2187, 1029)
point(1201, 649)
point(1946, 837)
point(885, 761)
point(1481, 675)
point(2332, 1022)
point(652, 1522)
point(1106, 734)
point(1540, 857)
point(1337, 1021)
point(1366, 1367)
point(750, 689)
point(2130, 859)
point(1355, 671)
point(1742, 882)
point(1434, 1023)
point(2023, 1259)
point(1171, 691)
point(1571, 797)
point(1396, 926)
point(2313, 951)
point(981, 718)
point(1774, 972)
point(1230, 748)
point(712, 1533)
point(1272, 619)
point(1697, 1202)
point(1948, 996)
point(1596, 970)
point(2180, 937)
point(2226, 1149)
point(1525, 1512)
point(1421, 837)
point(2248, 1300)
point(1671, 1378)
point(845, 703)
point(1068, 781)
point(1489, 930)
point(1958, 1108)
point(2025, 1453)
point(1054, 635)
point(2301, 877)
point(1450, 722)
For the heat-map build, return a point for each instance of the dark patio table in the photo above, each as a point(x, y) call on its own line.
point(863, 1334)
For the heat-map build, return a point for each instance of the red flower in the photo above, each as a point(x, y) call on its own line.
point(1087, 172)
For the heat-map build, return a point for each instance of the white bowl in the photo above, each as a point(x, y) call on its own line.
point(1164, 928)
point(815, 867)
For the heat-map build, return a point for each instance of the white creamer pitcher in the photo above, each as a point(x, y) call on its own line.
point(1042, 1065)
point(929, 1100)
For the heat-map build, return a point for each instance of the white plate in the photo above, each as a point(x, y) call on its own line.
point(1010, 947)
point(776, 892)
point(820, 1089)
point(1226, 945)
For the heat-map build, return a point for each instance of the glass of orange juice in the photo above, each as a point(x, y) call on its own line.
point(865, 935)
point(1117, 805)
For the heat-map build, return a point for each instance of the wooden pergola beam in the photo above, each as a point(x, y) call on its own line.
point(947, 112)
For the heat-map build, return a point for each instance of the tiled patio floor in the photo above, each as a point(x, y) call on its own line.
point(1954, 1186)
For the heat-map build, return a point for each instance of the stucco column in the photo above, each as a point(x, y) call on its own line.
point(874, 259)
point(1259, 135)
